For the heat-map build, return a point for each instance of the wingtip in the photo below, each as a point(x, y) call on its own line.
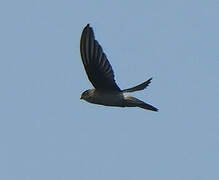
point(149, 80)
point(88, 27)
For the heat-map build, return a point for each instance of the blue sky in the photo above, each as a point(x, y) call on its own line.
point(47, 132)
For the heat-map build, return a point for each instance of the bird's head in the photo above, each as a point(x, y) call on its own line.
point(88, 94)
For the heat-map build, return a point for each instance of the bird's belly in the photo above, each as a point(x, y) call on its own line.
point(114, 99)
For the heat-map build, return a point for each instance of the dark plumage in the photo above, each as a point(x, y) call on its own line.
point(100, 74)
point(98, 68)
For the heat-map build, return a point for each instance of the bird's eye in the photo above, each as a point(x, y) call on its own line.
point(86, 93)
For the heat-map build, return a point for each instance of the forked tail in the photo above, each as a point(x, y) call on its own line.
point(134, 102)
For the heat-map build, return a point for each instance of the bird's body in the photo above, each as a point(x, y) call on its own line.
point(106, 98)
point(101, 75)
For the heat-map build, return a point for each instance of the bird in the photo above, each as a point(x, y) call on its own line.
point(100, 73)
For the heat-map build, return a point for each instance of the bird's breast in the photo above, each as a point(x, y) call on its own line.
point(108, 98)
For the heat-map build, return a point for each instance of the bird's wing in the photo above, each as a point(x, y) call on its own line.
point(98, 68)
point(138, 87)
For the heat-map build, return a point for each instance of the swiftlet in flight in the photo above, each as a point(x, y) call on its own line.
point(100, 74)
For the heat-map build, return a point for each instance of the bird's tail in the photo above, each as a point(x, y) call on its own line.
point(131, 101)
point(138, 87)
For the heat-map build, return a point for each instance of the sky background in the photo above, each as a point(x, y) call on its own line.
point(48, 133)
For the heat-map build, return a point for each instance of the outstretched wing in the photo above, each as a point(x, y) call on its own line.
point(138, 87)
point(97, 67)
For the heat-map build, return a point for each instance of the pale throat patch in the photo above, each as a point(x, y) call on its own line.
point(126, 94)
